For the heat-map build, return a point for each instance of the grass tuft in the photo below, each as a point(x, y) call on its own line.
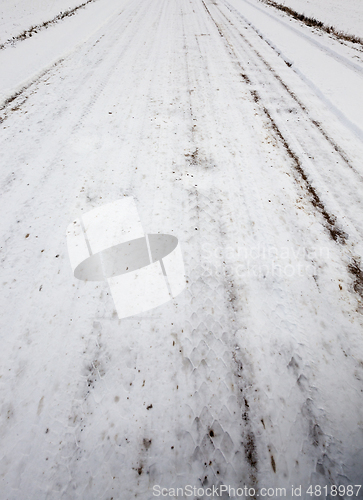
point(34, 29)
point(314, 23)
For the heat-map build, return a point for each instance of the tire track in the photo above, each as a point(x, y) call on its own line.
point(331, 52)
point(220, 386)
point(312, 424)
point(286, 137)
point(224, 444)
point(338, 149)
point(106, 58)
point(74, 87)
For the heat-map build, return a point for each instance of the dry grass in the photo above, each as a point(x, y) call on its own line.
point(35, 29)
point(311, 21)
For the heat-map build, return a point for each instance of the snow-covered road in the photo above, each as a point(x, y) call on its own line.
point(239, 131)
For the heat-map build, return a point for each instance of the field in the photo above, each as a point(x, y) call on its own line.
point(238, 130)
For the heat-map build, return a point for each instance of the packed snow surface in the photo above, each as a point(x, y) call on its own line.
point(239, 132)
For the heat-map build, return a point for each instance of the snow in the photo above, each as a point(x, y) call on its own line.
point(346, 16)
point(339, 89)
point(16, 16)
point(252, 376)
point(22, 63)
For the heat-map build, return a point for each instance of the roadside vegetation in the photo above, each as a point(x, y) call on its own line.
point(311, 21)
point(35, 29)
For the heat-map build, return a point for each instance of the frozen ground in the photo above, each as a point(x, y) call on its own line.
point(346, 16)
point(239, 132)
